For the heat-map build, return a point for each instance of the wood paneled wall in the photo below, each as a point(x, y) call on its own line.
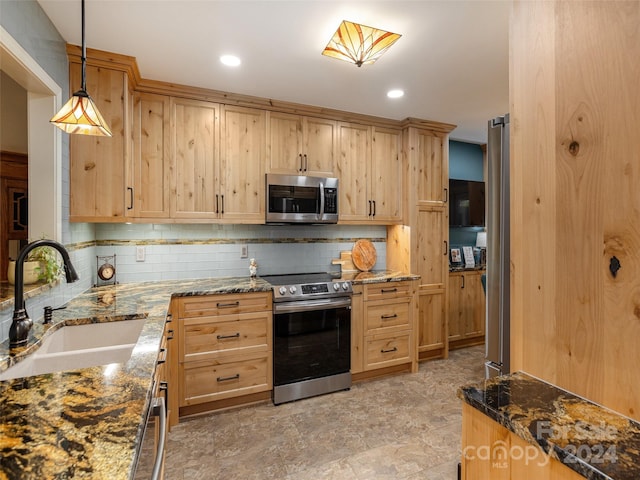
point(575, 163)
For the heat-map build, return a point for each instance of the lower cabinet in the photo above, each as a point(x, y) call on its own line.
point(383, 333)
point(466, 309)
point(225, 346)
point(491, 452)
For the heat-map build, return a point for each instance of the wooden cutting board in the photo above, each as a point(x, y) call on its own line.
point(364, 255)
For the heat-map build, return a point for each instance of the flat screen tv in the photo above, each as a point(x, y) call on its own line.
point(466, 203)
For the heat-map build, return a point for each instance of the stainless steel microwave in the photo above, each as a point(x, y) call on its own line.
point(301, 199)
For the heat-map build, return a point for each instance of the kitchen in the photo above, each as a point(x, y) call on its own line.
point(80, 232)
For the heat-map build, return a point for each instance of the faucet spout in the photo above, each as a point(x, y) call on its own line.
point(21, 323)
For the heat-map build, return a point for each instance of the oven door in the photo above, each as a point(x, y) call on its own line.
point(312, 348)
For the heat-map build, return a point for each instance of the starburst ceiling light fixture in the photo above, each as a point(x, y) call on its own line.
point(80, 115)
point(359, 44)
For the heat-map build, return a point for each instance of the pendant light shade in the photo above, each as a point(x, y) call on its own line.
point(359, 44)
point(80, 115)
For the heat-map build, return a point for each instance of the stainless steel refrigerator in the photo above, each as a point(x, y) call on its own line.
point(497, 288)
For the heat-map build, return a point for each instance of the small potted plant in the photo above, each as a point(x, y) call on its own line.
point(41, 264)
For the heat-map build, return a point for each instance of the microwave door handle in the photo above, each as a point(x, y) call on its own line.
point(321, 213)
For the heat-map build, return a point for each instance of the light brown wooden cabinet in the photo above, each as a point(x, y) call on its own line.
point(225, 347)
point(370, 170)
point(97, 164)
point(466, 309)
point(357, 329)
point(491, 452)
point(300, 145)
point(148, 186)
point(431, 324)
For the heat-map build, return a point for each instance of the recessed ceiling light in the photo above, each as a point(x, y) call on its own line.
point(397, 93)
point(230, 60)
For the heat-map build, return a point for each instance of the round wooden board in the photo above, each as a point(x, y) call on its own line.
point(363, 255)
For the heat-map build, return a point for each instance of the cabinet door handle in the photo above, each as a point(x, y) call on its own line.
point(462, 285)
point(389, 290)
point(446, 195)
point(225, 379)
point(162, 358)
point(217, 210)
point(222, 337)
point(306, 162)
point(170, 332)
point(301, 164)
point(222, 209)
point(394, 349)
point(130, 207)
point(369, 207)
point(374, 208)
point(387, 317)
point(169, 318)
point(446, 248)
point(228, 305)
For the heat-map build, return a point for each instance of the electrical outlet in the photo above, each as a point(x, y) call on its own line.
point(244, 251)
point(140, 253)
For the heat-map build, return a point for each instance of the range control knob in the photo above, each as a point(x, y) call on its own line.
point(336, 286)
point(345, 286)
point(293, 290)
point(282, 290)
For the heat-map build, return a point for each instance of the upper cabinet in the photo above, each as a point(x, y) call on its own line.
point(243, 151)
point(301, 145)
point(432, 173)
point(195, 127)
point(370, 170)
point(97, 164)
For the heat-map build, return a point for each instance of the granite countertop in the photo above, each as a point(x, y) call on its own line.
point(88, 423)
point(592, 440)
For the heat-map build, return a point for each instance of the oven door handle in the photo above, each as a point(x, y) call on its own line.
point(310, 305)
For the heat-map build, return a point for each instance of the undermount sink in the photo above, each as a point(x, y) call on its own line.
point(80, 346)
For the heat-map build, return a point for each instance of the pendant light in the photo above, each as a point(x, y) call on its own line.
point(80, 115)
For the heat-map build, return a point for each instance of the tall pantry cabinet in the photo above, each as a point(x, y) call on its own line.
point(421, 245)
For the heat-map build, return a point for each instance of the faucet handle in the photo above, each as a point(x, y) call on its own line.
point(48, 313)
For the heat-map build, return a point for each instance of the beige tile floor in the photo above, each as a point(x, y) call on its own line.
point(401, 427)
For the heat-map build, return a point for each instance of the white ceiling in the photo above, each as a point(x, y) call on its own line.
point(452, 59)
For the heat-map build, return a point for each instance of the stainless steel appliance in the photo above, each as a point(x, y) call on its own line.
point(301, 199)
point(498, 249)
point(151, 451)
point(311, 335)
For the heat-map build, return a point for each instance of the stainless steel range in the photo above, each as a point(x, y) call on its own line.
point(311, 335)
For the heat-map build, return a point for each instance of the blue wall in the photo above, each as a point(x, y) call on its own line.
point(465, 163)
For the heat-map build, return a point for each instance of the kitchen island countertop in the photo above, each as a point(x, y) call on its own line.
point(592, 440)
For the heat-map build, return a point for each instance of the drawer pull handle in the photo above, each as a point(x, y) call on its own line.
point(169, 318)
point(394, 349)
point(170, 332)
point(235, 335)
point(387, 317)
point(224, 379)
point(228, 305)
point(389, 290)
point(162, 358)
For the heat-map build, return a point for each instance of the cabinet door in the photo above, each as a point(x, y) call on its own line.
point(431, 252)
point(357, 329)
point(97, 164)
point(196, 134)
point(457, 307)
point(354, 157)
point(151, 152)
point(386, 175)
point(433, 173)
point(242, 161)
point(284, 150)
point(320, 143)
point(431, 321)
point(475, 298)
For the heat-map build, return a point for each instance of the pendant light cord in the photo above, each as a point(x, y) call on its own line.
point(84, 55)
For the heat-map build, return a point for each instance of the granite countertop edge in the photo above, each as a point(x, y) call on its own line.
point(100, 412)
point(556, 420)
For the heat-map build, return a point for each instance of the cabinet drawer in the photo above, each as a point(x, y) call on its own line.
point(204, 338)
point(225, 304)
point(387, 316)
point(387, 290)
point(214, 380)
point(382, 351)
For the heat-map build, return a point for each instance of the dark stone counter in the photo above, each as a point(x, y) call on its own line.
point(592, 440)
